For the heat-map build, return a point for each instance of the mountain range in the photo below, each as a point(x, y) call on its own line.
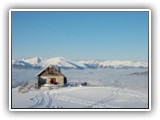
point(39, 62)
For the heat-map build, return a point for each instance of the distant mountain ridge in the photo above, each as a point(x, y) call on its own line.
point(39, 62)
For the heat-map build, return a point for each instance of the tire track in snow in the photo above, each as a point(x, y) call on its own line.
point(49, 100)
point(135, 95)
point(100, 103)
point(143, 96)
point(45, 99)
point(71, 99)
point(87, 103)
point(37, 101)
point(140, 97)
point(40, 101)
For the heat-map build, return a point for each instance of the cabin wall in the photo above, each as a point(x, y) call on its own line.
point(59, 79)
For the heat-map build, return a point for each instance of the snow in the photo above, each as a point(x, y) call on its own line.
point(81, 97)
point(21, 63)
point(35, 60)
point(82, 64)
point(101, 76)
point(115, 63)
point(62, 62)
point(107, 88)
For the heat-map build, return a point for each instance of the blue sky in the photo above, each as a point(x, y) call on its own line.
point(80, 35)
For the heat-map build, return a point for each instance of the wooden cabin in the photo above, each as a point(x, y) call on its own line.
point(51, 75)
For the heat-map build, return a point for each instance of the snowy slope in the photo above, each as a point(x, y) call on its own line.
point(115, 63)
point(21, 64)
point(68, 64)
point(81, 97)
point(35, 60)
point(107, 88)
point(62, 62)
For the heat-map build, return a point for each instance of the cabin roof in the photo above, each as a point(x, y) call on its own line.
point(59, 73)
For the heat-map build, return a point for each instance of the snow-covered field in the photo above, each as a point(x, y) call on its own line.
point(108, 88)
point(81, 97)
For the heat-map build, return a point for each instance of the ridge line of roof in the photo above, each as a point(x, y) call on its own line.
point(46, 68)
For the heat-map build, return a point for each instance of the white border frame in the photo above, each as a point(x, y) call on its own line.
point(10, 59)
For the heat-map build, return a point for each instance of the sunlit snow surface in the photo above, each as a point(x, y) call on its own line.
point(109, 88)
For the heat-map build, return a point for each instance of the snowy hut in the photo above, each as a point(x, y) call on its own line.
point(51, 75)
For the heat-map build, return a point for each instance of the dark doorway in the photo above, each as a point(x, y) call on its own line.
point(53, 81)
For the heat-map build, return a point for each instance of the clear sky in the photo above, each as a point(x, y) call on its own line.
point(80, 35)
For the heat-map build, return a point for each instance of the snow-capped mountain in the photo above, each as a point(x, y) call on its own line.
point(21, 64)
point(28, 63)
point(62, 62)
point(38, 62)
point(115, 63)
point(35, 60)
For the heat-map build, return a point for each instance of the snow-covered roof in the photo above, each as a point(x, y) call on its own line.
point(46, 68)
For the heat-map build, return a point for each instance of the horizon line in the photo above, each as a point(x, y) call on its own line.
point(79, 59)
